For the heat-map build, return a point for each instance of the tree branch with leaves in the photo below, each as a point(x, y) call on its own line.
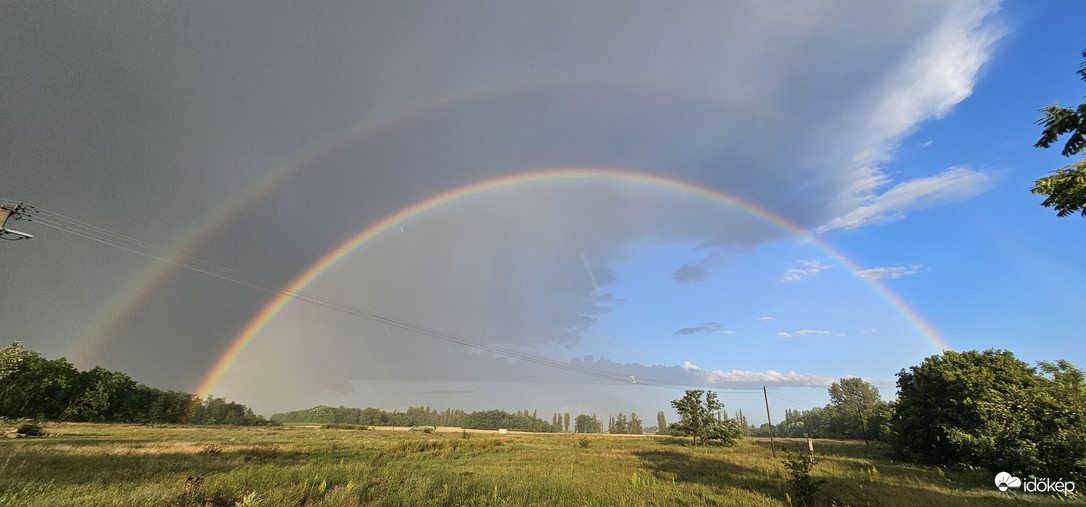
point(1065, 188)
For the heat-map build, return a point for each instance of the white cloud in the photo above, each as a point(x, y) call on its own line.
point(805, 332)
point(937, 74)
point(925, 144)
point(807, 269)
point(766, 319)
point(889, 271)
point(742, 378)
point(953, 184)
point(870, 331)
point(783, 334)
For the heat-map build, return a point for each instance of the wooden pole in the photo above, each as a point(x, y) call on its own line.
point(772, 446)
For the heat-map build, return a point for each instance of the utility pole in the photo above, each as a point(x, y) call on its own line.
point(9, 211)
point(772, 446)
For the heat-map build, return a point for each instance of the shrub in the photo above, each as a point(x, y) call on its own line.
point(800, 484)
point(30, 430)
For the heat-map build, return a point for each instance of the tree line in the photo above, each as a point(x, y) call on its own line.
point(521, 420)
point(985, 409)
point(33, 387)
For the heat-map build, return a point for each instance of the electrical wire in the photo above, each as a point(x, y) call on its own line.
point(132, 245)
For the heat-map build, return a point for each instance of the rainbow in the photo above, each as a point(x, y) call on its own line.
point(269, 311)
point(129, 297)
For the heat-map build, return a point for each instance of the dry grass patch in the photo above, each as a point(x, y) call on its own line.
point(159, 448)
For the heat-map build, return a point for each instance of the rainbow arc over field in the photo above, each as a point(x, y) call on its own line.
point(572, 176)
point(128, 299)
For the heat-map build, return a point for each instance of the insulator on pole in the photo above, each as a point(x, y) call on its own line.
point(9, 211)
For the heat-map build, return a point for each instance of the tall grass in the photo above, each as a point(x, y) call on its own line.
point(88, 464)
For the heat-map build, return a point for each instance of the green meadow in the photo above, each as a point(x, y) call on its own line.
point(99, 464)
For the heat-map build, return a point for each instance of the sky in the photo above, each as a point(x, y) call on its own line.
point(580, 207)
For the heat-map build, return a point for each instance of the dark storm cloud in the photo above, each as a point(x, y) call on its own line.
point(144, 118)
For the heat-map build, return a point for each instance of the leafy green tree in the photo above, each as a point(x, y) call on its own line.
point(1058, 413)
point(1065, 188)
point(565, 420)
point(661, 423)
point(857, 398)
point(108, 396)
point(10, 359)
point(956, 407)
point(32, 386)
point(698, 418)
point(990, 409)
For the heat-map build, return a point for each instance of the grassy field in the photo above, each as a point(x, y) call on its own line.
point(92, 464)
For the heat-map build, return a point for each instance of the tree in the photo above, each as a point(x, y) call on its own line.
point(35, 387)
point(742, 420)
point(1058, 413)
point(857, 398)
point(698, 418)
point(990, 409)
point(661, 424)
point(1065, 188)
point(619, 425)
point(586, 424)
point(635, 425)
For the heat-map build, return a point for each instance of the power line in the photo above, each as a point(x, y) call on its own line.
point(129, 244)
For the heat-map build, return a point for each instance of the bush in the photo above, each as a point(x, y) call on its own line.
point(801, 486)
point(30, 430)
point(424, 429)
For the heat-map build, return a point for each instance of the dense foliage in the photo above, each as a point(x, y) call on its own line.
point(37, 388)
point(704, 419)
point(585, 423)
point(989, 409)
point(856, 412)
point(219, 411)
point(1065, 188)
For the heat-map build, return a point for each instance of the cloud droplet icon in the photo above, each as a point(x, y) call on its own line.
point(1004, 480)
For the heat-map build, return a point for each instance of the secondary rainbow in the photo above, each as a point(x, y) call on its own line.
point(129, 297)
point(268, 312)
